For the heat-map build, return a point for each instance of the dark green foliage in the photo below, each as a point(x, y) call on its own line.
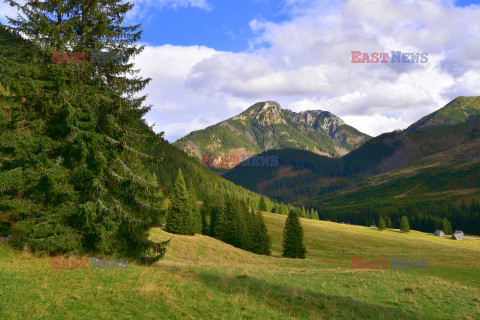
point(381, 224)
point(73, 171)
point(389, 223)
point(232, 222)
point(259, 240)
point(262, 206)
point(183, 215)
point(404, 225)
point(293, 246)
point(446, 226)
point(4, 227)
point(231, 226)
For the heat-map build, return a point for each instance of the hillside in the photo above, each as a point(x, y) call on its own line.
point(265, 126)
point(201, 277)
point(379, 155)
point(429, 172)
point(457, 111)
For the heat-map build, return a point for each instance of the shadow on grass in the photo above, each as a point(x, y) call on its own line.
point(297, 302)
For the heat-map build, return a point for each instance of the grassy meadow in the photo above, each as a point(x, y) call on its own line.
point(203, 278)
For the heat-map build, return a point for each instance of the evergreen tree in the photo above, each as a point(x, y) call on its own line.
point(205, 211)
point(180, 209)
point(303, 213)
point(72, 134)
point(293, 246)
point(216, 211)
point(381, 224)
point(446, 226)
point(262, 206)
point(183, 213)
point(389, 223)
point(404, 225)
point(231, 226)
point(262, 242)
point(195, 218)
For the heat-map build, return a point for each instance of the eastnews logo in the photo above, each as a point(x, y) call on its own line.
point(82, 57)
point(72, 264)
point(396, 57)
point(209, 160)
point(397, 263)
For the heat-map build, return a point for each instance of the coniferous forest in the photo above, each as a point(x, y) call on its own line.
point(80, 169)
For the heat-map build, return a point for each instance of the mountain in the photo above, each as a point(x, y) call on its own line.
point(457, 111)
point(434, 169)
point(265, 126)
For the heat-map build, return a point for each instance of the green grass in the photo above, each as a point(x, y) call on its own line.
point(203, 278)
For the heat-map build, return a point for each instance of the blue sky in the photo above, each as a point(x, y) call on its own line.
point(224, 27)
point(209, 60)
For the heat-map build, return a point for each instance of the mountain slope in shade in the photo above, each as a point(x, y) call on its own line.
point(438, 158)
point(265, 126)
point(457, 111)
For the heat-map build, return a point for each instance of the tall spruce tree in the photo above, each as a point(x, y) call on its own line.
point(195, 218)
point(205, 212)
point(262, 205)
point(389, 223)
point(404, 225)
point(179, 217)
point(381, 224)
point(293, 246)
point(216, 211)
point(72, 166)
point(263, 244)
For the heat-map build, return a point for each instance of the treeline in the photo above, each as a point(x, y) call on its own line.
point(224, 216)
point(426, 217)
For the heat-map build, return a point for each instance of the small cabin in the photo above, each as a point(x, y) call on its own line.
point(373, 226)
point(439, 233)
point(458, 235)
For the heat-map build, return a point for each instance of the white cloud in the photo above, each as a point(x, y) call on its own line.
point(375, 124)
point(8, 11)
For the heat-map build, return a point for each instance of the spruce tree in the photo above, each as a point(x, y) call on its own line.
point(389, 223)
point(262, 205)
point(180, 217)
point(71, 134)
point(205, 212)
point(216, 211)
point(381, 224)
point(404, 225)
point(195, 218)
point(262, 237)
point(293, 246)
point(446, 226)
point(257, 234)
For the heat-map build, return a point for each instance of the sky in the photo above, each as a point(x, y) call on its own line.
point(210, 60)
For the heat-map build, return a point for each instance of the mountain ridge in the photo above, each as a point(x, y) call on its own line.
point(266, 125)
